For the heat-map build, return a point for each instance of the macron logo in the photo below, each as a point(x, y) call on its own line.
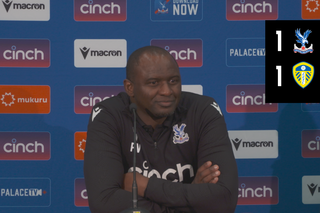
point(216, 106)
point(95, 112)
point(84, 52)
point(7, 4)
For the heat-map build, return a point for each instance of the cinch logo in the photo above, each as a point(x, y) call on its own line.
point(80, 139)
point(176, 10)
point(310, 143)
point(187, 52)
point(252, 10)
point(24, 53)
point(25, 146)
point(100, 52)
point(311, 189)
point(169, 172)
point(100, 10)
point(254, 143)
point(85, 97)
point(258, 190)
point(25, 10)
point(248, 98)
point(25, 192)
point(25, 99)
point(310, 9)
point(80, 193)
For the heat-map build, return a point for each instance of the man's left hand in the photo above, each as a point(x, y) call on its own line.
point(207, 173)
point(142, 182)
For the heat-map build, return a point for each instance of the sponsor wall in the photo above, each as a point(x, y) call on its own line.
point(59, 58)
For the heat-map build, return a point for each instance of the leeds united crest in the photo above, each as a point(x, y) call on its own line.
point(303, 73)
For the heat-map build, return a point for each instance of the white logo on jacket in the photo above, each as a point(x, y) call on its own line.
point(216, 106)
point(95, 112)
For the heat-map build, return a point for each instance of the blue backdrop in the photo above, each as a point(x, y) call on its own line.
point(230, 52)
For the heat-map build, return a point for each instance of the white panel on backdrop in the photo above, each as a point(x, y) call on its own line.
point(100, 53)
point(311, 189)
point(254, 143)
point(192, 88)
point(25, 10)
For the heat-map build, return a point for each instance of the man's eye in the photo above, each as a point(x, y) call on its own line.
point(153, 82)
point(173, 81)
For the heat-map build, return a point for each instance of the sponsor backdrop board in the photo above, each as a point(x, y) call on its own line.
point(59, 58)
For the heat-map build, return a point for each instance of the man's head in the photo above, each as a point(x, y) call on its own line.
point(153, 82)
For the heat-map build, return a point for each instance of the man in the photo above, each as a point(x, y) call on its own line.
point(184, 158)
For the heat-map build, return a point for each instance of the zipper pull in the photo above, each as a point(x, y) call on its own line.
point(155, 145)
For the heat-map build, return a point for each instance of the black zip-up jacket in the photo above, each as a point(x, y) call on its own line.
point(169, 155)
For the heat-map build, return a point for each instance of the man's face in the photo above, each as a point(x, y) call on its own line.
point(157, 86)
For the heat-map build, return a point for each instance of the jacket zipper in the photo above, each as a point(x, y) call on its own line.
point(155, 145)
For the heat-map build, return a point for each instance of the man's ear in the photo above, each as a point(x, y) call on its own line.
point(128, 86)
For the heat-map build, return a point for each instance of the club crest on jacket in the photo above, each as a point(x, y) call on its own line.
point(180, 136)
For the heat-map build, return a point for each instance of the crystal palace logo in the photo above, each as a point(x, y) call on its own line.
point(302, 39)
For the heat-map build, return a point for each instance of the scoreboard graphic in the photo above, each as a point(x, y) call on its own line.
point(291, 69)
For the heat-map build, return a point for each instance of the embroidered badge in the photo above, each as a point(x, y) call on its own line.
point(180, 136)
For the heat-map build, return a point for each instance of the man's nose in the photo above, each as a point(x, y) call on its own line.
point(165, 89)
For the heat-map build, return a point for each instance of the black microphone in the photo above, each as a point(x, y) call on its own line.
point(134, 209)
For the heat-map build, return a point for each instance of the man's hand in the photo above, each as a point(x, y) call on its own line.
point(207, 173)
point(142, 182)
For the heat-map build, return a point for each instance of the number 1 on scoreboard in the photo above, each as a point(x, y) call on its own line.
point(278, 32)
point(279, 75)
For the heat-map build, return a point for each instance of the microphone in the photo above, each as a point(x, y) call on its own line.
point(133, 108)
point(134, 209)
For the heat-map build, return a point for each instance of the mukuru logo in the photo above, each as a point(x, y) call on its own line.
point(310, 9)
point(24, 99)
point(24, 53)
point(80, 139)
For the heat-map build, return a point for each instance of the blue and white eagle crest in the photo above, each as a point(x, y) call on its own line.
point(160, 6)
point(302, 39)
point(180, 136)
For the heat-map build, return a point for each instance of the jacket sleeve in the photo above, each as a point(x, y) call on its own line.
point(215, 146)
point(103, 168)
